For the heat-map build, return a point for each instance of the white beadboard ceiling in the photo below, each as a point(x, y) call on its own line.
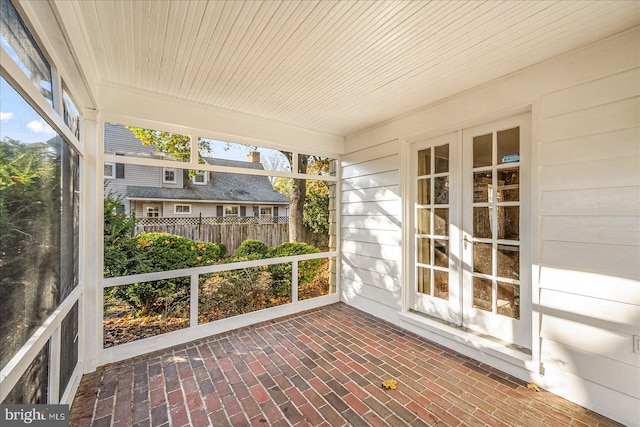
point(333, 67)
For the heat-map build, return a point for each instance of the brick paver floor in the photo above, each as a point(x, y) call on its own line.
point(318, 368)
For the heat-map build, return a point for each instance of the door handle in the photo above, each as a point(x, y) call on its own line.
point(465, 240)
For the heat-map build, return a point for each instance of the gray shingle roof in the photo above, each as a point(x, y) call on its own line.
point(222, 187)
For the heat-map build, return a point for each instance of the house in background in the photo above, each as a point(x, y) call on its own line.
point(153, 192)
point(489, 177)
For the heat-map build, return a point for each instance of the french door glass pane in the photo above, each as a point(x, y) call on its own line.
point(508, 146)
point(441, 253)
point(509, 261)
point(424, 256)
point(441, 284)
point(442, 159)
point(441, 222)
point(509, 185)
point(424, 224)
point(482, 146)
point(424, 280)
point(509, 300)
point(482, 258)
point(424, 162)
point(508, 222)
point(441, 190)
point(424, 191)
point(482, 293)
point(482, 222)
point(482, 187)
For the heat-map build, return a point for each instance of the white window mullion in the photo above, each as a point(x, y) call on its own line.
point(194, 150)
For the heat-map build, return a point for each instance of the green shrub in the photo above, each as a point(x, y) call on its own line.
point(281, 273)
point(150, 252)
point(251, 247)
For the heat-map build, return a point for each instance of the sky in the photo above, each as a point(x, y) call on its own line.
point(18, 120)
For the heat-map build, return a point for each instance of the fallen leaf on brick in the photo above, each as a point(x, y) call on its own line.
point(389, 384)
point(533, 386)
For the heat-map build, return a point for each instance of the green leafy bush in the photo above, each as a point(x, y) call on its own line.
point(150, 252)
point(281, 273)
point(252, 247)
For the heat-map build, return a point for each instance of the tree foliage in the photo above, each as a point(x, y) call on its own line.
point(28, 197)
point(173, 144)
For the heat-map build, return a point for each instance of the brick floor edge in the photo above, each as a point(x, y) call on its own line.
point(322, 367)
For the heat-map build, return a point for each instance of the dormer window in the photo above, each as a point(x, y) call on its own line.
point(169, 175)
point(200, 178)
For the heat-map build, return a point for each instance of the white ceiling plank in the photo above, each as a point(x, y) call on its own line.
point(203, 39)
point(332, 66)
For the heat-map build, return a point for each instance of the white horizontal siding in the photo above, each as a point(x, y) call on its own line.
point(610, 230)
point(605, 314)
point(372, 167)
point(592, 147)
point(612, 260)
point(618, 201)
point(622, 171)
point(605, 90)
point(592, 366)
point(389, 192)
point(386, 208)
point(600, 119)
point(362, 235)
point(589, 284)
point(380, 180)
point(372, 278)
point(373, 250)
point(361, 262)
point(359, 289)
point(371, 225)
point(594, 339)
point(590, 231)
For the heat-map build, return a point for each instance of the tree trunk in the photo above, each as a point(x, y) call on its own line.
point(297, 196)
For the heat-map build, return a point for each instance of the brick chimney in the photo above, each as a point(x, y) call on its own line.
point(254, 156)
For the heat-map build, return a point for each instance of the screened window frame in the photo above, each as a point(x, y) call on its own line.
point(49, 332)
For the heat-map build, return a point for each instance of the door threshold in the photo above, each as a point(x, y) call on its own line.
point(466, 330)
point(469, 342)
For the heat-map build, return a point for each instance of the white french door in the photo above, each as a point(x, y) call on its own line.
point(435, 189)
point(471, 218)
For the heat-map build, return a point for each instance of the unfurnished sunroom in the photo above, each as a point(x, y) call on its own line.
point(482, 174)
